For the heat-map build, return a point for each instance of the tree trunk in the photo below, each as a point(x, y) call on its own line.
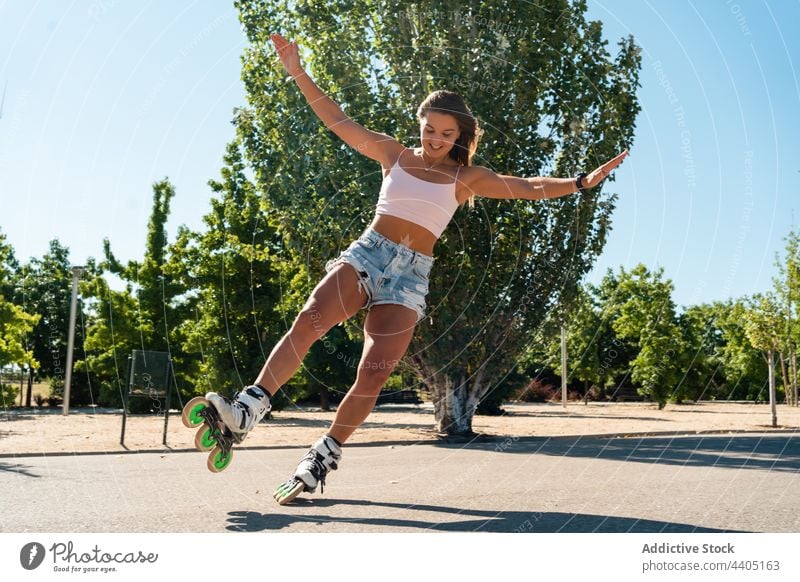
point(30, 388)
point(771, 363)
point(453, 407)
point(324, 398)
point(785, 377)
point(791, 398)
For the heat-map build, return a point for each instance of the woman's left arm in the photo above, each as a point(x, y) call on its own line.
point(491, 185)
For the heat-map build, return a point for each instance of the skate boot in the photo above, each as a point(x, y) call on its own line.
point(323, 456)
point(242, 413)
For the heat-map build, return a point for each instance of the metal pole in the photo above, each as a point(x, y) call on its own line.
point(772, 389)
point(167, 403)
point(76, 274)
point(563, 366)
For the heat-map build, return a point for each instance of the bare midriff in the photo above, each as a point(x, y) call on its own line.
point(405, 232)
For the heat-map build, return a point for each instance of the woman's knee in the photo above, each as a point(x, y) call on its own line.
point(372, 375)
point(310, 323)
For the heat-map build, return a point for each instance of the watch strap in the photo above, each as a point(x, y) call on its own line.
point(579, 182)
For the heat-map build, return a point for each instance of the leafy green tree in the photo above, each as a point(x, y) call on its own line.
point(112, 332)
point(787, 289)
point(742, 366)
point(231, 268)
point(155, 288)
point(721, 363)
point(704, 375)
point(646, 316)
point(9, 268)
point(584, 329)
point(46, 285)
point(15, 323)
point(142, 316)
point(502, 266)
point(764, 321)
point(616, 353)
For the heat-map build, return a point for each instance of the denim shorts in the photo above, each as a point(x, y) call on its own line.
point(388, 272)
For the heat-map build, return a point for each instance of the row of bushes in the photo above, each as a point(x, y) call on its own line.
point(9, 396)
point(544, 388)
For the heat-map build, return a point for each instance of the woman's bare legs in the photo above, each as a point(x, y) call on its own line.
point(388, 330)
point(337, 297)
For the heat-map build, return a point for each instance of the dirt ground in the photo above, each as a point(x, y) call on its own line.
point(47, 431)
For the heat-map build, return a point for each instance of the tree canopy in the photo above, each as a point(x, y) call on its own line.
point(553, 100)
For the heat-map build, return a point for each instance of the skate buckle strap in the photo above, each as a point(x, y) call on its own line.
point(246, 413)
point(256, 392)
point(253, 402)
point(318, 468)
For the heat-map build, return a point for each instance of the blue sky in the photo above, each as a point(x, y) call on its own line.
point(105, 97)
point(712, 183)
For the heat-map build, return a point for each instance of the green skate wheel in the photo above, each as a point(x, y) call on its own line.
point(191, 412)
point(218, 460)
point(286, 492)
point(204, 440)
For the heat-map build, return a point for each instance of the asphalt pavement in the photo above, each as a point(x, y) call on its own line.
point(714, 483)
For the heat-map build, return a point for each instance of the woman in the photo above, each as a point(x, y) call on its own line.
point(386, 270)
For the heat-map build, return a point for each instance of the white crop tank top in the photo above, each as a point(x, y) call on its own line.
point(425, 203)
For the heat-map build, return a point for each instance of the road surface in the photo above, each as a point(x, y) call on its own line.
point(736, 483)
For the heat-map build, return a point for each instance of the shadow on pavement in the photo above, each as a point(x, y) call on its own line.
point(579, 416)
point(482, 520)
point(763, 452)
point(19, 469)
point(326, 422)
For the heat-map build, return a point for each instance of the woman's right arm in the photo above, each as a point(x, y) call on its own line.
point(374, 145)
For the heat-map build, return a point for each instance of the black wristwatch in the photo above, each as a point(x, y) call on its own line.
point(579, 182)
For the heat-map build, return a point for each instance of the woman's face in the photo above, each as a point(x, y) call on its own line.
point(438, 133)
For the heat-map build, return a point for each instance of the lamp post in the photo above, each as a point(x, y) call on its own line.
point(563, 366)
point(76, 274)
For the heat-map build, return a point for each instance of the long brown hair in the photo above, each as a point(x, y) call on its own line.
point(443, 101)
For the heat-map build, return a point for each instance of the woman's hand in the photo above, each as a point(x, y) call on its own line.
point(288, 53)
point(601, 173)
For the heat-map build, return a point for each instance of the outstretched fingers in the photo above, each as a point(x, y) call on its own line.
point(603, 171)
point(615, 161)
point(281, 44)
point(278, 39)
point(287, 52)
